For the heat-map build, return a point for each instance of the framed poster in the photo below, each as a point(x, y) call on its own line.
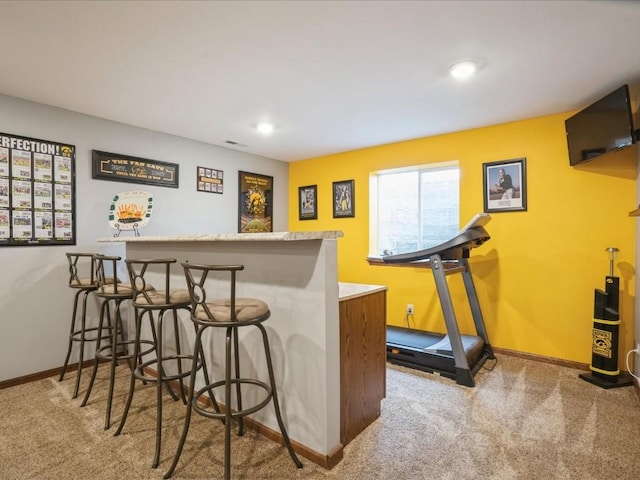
point(255, 203)
point(124, 168)
point(210, 180)
point(343, 199)
point(308, 202)
point(505, 185)
point(37, 192)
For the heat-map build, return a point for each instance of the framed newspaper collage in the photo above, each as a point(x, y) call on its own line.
point(37, 192)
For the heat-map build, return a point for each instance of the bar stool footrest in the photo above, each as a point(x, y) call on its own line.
point(100, 354)
point(234, 414)
point(77, 335)
point(140, 375)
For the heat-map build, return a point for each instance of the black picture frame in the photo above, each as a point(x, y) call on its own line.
point(125, 168)
point(255, 203)
point(308, 202)
point(505, 185)
point(344, 201)
point(37, 192)
point(209, 180)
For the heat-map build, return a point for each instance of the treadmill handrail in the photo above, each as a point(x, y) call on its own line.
point(472, 235)
point(451, 249)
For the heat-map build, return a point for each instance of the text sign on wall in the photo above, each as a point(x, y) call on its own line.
point(37, 192)
point(124, 168)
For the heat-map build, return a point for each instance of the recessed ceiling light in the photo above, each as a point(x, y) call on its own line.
point(462, 70)
point(265, 128)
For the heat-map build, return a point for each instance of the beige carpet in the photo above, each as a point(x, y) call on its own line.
point(523, 420)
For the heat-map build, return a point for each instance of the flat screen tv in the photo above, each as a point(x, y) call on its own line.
point(604, 126)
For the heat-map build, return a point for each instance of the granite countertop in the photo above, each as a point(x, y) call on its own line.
point(234, 237)
point(347, 291)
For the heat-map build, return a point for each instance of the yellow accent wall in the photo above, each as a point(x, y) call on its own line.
point(536, 276)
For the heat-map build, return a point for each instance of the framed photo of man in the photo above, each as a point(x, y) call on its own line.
point(505, 185)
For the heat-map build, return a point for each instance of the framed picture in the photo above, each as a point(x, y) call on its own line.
point(505, 185)
point(308, 202)
point(344, 199)
point(37, 192)
point(210, 180)
point(255, 203)
point(125, 168)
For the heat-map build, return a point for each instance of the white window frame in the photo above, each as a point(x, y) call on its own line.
point(373, 198)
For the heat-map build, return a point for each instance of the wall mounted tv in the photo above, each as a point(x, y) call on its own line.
point(604, 126)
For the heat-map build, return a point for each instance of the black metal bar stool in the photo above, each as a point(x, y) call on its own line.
point(112, 291)
point(228, 313)
point(82, 278)
point(158, 302)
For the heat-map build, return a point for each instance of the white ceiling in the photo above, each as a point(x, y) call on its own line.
point(332, 75)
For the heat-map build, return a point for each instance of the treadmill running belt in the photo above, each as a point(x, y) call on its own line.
point(406, 337)
point(471, 345)
point(432, 342)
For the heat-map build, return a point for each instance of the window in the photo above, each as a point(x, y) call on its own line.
point(414, 208)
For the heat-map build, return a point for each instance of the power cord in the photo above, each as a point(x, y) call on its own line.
point(637, 352)
point(407, 318)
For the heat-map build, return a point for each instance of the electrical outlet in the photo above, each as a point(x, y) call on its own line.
point(638, 349)
point(409, 308)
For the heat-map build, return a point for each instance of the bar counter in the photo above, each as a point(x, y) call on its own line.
point(234, 237)
point(296, 274)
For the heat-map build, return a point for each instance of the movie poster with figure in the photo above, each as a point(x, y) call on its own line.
point(308, 202)
point(255, 203)
point(344, 203)
point(37, 192)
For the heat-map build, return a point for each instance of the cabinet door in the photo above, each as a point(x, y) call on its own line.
point(362, 362)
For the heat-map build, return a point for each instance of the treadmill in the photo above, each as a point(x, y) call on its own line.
point(452, 355)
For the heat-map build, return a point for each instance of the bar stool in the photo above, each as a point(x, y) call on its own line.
point(158, 302)
point(82, 278)
point(111, 290)
point(229, 313)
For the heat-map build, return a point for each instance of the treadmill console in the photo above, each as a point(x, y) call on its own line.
point(479, 220)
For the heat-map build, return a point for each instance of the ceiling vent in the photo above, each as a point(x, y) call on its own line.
point(235, 144)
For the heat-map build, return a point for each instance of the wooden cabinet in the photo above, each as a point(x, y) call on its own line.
point(362, 357)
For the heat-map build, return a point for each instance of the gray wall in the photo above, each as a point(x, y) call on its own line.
point(35, 301)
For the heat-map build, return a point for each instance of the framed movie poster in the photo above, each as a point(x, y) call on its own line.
point(308, 202)
point(255, 203)
point(37, 192)
point(505, 185)
point(343, 199)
